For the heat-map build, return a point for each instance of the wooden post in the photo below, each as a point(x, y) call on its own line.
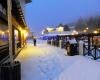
point(92, 40)
point(95, 53)
point(9, 10)
point(19, 35)
point(89, 44)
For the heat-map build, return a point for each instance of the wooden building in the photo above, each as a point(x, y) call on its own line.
point(19, 27)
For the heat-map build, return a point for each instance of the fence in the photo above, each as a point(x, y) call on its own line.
point(57, 43)
point(92, 50)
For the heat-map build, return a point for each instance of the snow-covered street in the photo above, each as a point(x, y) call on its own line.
point(45, 62)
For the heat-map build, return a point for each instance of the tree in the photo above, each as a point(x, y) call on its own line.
point(60, 25)
point(80, 24)
point(66, 27)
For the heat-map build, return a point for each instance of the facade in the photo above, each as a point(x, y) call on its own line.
point(19, 27)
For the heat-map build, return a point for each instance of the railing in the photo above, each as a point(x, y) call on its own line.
point(57, 43)
point(92, 50)
point(4, 51)
point(18, 45)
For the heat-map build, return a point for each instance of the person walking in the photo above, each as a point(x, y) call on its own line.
point(34, 40)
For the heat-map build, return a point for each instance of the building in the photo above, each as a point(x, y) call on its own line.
point(19, 27)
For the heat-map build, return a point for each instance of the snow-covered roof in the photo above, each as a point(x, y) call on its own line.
point(59, 33)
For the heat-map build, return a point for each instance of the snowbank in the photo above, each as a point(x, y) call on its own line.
point(83, 69)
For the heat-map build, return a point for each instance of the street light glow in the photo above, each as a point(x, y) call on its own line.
point(50, 29)
point(60, 29)
point(95, 32)
point(84, 30)
point(2, 32)
point(74, 32)
point(87, 28)
point(16, 32)
point(25, 33)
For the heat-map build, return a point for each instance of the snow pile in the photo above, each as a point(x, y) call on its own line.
point(83, 69)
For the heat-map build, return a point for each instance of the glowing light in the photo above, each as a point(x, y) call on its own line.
point(7, 31)
point(2, 33)
point(25, 33)
point(95, 32)
point(50, 29)
point(60, 29)
point(84, 30)
point(74, 32)
point(87, 28)
point(16, 32)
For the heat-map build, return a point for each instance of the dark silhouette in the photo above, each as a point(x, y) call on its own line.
point(34, 40)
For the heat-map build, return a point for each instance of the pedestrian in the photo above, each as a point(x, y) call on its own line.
point(34, 40)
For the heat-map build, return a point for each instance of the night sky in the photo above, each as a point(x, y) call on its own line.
point(43, 13)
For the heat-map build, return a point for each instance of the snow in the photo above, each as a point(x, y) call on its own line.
point(72, 41)
point(83, 69)
point(45, 62)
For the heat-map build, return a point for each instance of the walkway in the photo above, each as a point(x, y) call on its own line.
point(45, 62)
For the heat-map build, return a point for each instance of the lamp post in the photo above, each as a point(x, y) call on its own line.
point(9, 9)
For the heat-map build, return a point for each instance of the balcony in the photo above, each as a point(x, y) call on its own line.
point(16, 11)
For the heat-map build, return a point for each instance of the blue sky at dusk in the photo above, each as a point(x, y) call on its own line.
point(43, 13)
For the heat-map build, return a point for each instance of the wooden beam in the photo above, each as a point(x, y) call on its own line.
point(9, 8)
